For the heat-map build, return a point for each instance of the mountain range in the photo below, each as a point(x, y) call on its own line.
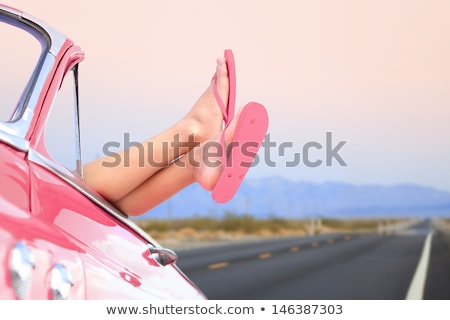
point(280, 197)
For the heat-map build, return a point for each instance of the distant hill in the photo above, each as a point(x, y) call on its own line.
point(275, 196)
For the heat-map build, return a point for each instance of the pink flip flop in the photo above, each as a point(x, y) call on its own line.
point(250, 131)
point(228, 110)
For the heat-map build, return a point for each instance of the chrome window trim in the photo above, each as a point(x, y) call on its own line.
point(25, 110)
point(67, 176)
point(14, 141)
point(52, 42)
point(76, 113)
point(55, 38)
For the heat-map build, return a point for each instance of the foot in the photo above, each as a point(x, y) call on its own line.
point(206, 159)
point(205, 120)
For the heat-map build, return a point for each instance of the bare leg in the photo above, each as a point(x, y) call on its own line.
point(202, 123)
point(156, 189)
point(177, 176)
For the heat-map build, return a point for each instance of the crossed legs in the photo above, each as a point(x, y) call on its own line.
point(136, 186)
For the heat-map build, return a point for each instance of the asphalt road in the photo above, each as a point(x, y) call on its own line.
point(332, 266)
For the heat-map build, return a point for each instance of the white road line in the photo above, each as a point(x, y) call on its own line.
point(415, 291)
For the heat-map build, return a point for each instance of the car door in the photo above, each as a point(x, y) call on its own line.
point(33, 255)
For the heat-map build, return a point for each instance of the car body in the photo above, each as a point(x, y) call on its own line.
point(59, 238)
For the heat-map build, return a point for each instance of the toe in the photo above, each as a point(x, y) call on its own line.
point(222, 81)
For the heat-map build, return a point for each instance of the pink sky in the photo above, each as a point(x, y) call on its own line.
point(375, 73)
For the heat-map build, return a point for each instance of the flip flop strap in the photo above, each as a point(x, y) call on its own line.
point(222, 106)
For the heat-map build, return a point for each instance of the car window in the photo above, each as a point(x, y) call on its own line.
point(19, 54)
point(60, 128)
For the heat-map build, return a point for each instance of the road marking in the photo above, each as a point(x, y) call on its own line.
point(415, 291)
point(265, 255)
point(314, 244)
point(295, 249)
point(218, 265)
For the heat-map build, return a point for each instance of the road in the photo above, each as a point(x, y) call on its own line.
point(329, 266)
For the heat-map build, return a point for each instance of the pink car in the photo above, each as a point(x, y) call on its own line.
point(59, 239)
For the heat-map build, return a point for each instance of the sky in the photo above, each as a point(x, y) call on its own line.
point(375, 74)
